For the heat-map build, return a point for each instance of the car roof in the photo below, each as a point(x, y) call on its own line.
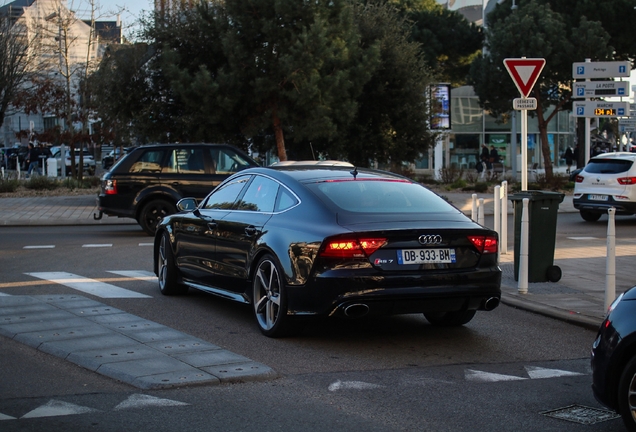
point(312, 163)
point(308, 173)
point(617, 155)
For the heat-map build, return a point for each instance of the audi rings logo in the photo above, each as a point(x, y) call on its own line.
point(430, 239)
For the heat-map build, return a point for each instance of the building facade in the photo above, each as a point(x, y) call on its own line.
point(68, 49)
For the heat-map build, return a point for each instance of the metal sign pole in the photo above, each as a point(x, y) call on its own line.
point(524, 150)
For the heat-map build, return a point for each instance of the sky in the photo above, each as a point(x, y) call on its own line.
point(132, 9)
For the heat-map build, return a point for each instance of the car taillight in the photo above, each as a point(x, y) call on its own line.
point(352, 247)
point(484, 244)
point(627, 180)
point(579, 179)
point(110, 187)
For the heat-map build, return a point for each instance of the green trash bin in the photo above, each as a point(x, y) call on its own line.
point(543, 208)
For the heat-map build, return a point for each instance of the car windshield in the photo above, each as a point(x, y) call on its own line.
point(608, 166)
point(380, 196)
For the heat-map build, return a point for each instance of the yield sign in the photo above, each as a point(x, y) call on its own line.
point(524, 72)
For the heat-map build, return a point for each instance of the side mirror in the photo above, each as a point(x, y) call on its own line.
point(187, 204)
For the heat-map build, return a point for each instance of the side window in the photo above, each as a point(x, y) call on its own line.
point(227, 161)
point(149, 162)
point(285, 200)
point(225, 196)
point(185, 161)
point(260, 195)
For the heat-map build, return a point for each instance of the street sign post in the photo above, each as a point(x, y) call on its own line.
point(524, 72)
point(524, 104)
point(611, 69)
point(600, 109)
point(588, 89)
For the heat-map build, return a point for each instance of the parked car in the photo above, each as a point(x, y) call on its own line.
point(87, 160)
point(147, 182)
point(614, 359)
point(608, 180)
point(310, 241)
point(115, 154)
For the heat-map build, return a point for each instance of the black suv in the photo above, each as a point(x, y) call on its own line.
point(147, 183)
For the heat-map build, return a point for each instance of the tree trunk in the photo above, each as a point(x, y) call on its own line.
point(280, 139)
point(545, 146)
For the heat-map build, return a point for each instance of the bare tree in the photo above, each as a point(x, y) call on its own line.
point(17, 56)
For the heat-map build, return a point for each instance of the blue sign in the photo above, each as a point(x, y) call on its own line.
point(622, 69)
point(580, 91)
point(580, 111)
point(621, 91)
point(621, 111)
point(580, 70)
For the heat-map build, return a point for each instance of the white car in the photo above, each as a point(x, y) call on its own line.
point(88, 160)
point(608, 180)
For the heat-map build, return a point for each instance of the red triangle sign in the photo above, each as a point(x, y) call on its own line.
point(524, 72)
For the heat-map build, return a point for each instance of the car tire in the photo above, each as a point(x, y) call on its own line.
point(627, 395)
point(449, 319)
point(168, 274)
point(153, 212)
point(589, 216)
point(269, 298)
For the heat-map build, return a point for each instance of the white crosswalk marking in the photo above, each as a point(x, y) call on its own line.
point(136, 274)
point(89, 286)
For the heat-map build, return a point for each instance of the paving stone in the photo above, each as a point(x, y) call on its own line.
point(185, 345)
point(175, 379)
point(93, 359)
point(103, 341)
point(201, 359)
point(242, 372)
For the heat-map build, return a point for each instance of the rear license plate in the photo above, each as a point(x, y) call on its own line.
point(597, 197)
point(426, 256)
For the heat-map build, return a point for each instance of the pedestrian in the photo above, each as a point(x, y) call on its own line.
point(494, 155)
point(33, 159)
point(485, 157)
point(569, 159)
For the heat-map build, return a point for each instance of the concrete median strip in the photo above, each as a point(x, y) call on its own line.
point(119, 345)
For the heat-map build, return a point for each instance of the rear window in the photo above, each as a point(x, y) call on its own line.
point(380, 196)
point(608, 166)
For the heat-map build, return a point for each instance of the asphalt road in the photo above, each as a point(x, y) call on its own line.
point(504, 370)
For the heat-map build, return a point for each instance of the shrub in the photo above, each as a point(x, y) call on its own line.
point(8, 185)
point(40, 182)
point(481, 187)
point(459, 184)
point(450, 175)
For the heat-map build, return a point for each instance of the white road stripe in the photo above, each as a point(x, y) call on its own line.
point(352, 385)
point(39, 247)
point(138, 274)
point(146, 244)
point(583, 238)
point(6, 417)
point(539, 372)
point(481, 376)
point(89, 286)
point(58, 408)
point(97, 245)
point(143, 401)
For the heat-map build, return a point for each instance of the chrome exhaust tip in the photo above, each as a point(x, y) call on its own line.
point(356, 310)
point(491, 303)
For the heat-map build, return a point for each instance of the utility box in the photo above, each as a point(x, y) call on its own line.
point(51, 167)
point(543, 208)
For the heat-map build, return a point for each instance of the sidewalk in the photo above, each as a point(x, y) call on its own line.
point(578, 297)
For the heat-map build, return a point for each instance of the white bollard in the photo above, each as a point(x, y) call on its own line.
point(522, 286)
point(17, 167)
point(610, 272)
point(2, 172)
point(473, 214)
point(497, 211)
point(503, 237)
point(480, 217)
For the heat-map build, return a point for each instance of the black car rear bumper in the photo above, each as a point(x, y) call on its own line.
point(382, 295)
point(105, 206)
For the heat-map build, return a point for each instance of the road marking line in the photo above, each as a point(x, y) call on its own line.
point(480, 376)
point(89, 286)
point(97, 245)
point(352, 385)
point(142, 401)
point(135, 274)
point(58, 408)
point(146, 244)
point(583, 238)
point(539, 372)
point(6, 417)
point(39, 247)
